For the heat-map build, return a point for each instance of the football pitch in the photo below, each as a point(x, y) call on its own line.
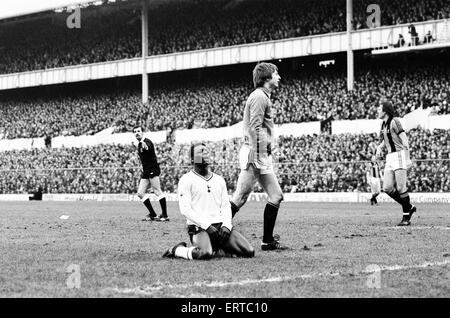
point(103, 249)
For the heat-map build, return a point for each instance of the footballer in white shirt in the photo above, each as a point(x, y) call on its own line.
point(204, 201)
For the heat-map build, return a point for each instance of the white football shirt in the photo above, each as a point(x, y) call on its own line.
point(204, 201)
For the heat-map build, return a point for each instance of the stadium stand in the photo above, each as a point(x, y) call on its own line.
point(112, 32)
point(319, 163)
point(311, 93)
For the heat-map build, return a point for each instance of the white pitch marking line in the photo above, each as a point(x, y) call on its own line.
point(431, 227)
point(403, 267)
point(149, 290)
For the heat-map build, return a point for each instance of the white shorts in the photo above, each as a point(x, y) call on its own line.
point(375, 185)
point(264, 164)
point(398, 160)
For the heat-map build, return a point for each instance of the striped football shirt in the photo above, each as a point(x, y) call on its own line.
point(390, 131)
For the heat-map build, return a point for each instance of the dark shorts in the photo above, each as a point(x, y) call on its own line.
point(194, 229)
point(150, 173)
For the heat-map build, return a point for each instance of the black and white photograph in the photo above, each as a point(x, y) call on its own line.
point(225, 154)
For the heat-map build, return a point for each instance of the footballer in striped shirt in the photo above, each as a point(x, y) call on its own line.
point(374, 180)
point(395, 142)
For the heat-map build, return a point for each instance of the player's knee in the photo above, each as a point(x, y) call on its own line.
point(141, 195)
point(276, 198)
point(241, 200)
point(388, 188)
point(402, 188)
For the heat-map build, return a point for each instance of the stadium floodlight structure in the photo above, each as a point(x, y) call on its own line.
point(144, 25)
point(350, 62)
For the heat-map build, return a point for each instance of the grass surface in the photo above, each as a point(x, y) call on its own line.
point(120, 256)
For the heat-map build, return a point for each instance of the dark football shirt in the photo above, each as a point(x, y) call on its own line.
point(148, 157)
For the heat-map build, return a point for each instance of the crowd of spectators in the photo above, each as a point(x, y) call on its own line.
point(85, 114)
point(318, 163)
point(112, 32)
point(318, 94)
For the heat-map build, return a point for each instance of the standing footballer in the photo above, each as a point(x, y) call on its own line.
point(395, 141)
point(255, 156)
point(374, 179)
point(150, 176)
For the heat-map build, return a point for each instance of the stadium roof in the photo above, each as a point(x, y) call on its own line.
point(11, 9)
point(17, 8)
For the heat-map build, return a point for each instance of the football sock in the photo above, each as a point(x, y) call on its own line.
point(405, 203)
point(148, 205)
point(270, 217)
point(184, 252)
point(162, 202)
point(197, 253)
point(374, 197)
point(234, 209)
point(396, 196)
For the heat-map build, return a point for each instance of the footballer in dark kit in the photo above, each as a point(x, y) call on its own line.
point(150, 176)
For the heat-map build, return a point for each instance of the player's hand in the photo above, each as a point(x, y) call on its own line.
point(224, 234)
point(144, 145)
point(213, 232)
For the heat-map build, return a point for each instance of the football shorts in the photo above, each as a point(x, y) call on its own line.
point(194, 230)
point(398, 160)
point(375, 185)
point(151, 173)
point(263, 163)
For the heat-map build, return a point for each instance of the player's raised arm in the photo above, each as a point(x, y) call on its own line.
point(184, 201)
